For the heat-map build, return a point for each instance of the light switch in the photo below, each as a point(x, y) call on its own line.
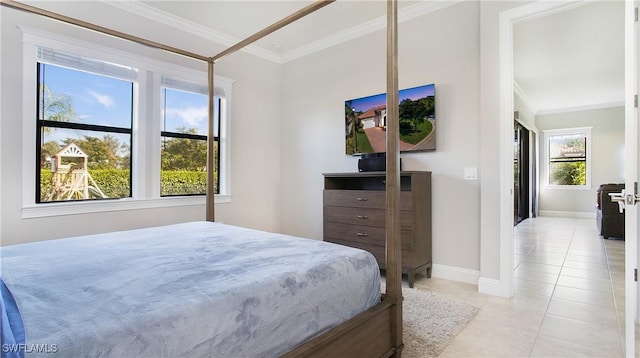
point(471, 173)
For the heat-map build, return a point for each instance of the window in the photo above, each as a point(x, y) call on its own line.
point(185, 111)
point(108, 126)
point(83, 132)
point(568, 159)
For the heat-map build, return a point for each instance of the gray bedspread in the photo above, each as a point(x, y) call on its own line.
point(197, 289)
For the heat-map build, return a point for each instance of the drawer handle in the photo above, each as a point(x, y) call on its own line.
point(362, 217)
point(362, 199)
point(361, 234)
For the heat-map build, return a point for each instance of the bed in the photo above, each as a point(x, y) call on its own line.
point(42, 305)
point(184, 290)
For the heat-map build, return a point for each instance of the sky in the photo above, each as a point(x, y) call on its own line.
point(186, 109)
point(96, 99)
point(107, 101)
point(365, 103)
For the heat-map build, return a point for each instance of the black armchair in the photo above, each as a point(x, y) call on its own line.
point(609, 219)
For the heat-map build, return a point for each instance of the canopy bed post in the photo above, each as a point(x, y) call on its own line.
point(394, 247)
point(211, 149)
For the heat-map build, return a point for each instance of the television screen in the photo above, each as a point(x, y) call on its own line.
point(366, 121)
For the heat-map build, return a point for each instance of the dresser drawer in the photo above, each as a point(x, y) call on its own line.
point(369, 235)
point(364, 216)
point(364, 199)
point(355, 198)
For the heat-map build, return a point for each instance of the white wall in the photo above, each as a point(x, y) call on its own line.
point(607, 158)
point(492, 227)
point(255, 172)
point(441, 48)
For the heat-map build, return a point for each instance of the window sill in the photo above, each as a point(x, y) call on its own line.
point(88, 207)
point(567, 187)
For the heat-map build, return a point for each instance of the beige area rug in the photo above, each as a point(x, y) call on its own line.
point(431, 321)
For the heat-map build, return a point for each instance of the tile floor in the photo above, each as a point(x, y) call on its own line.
point(568, 296)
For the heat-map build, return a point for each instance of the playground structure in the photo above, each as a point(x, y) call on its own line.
point(70, 179)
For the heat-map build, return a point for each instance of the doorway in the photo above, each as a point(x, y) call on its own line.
point(507, 19)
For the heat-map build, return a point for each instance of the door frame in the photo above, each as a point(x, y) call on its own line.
point(506, 108)
point(632, 175)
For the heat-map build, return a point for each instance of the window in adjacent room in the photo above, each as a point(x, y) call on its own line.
point(84, 128)
point(568, 159)
point(184, 139)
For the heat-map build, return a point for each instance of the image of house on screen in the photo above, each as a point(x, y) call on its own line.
point(375, 117)
point(366, 121)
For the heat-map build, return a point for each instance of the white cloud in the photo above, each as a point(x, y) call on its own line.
point(191, 116)
point(103, 99)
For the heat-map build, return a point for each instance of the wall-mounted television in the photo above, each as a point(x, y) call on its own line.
point(366, 121)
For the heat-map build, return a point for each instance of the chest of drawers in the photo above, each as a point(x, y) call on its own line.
point(354, 214)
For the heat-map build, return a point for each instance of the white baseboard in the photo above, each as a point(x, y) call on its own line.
point(487, 286)
point(455, 274)
point(568, 214)
point(493, 287)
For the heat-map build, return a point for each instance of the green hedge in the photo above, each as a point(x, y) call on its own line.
point(45, 183)
point(182, 182)
point(115, 183)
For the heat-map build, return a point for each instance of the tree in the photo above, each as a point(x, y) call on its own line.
point(429, 104)
point(576, 143)
point(56, 107)
point(183, 153)
point(568, 173)
point(412, 113)
point(104, 153)
point(352, 125)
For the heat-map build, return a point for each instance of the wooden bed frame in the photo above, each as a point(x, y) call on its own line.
point(376, 332)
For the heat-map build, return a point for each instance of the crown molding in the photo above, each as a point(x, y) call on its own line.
point(523, 96)
point(586, 107)
point(404, 14)
point(541, 112)
point(138, 8)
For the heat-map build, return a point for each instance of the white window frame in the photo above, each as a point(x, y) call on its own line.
point(586, 131)
point(146, 134)
point(184, 84)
